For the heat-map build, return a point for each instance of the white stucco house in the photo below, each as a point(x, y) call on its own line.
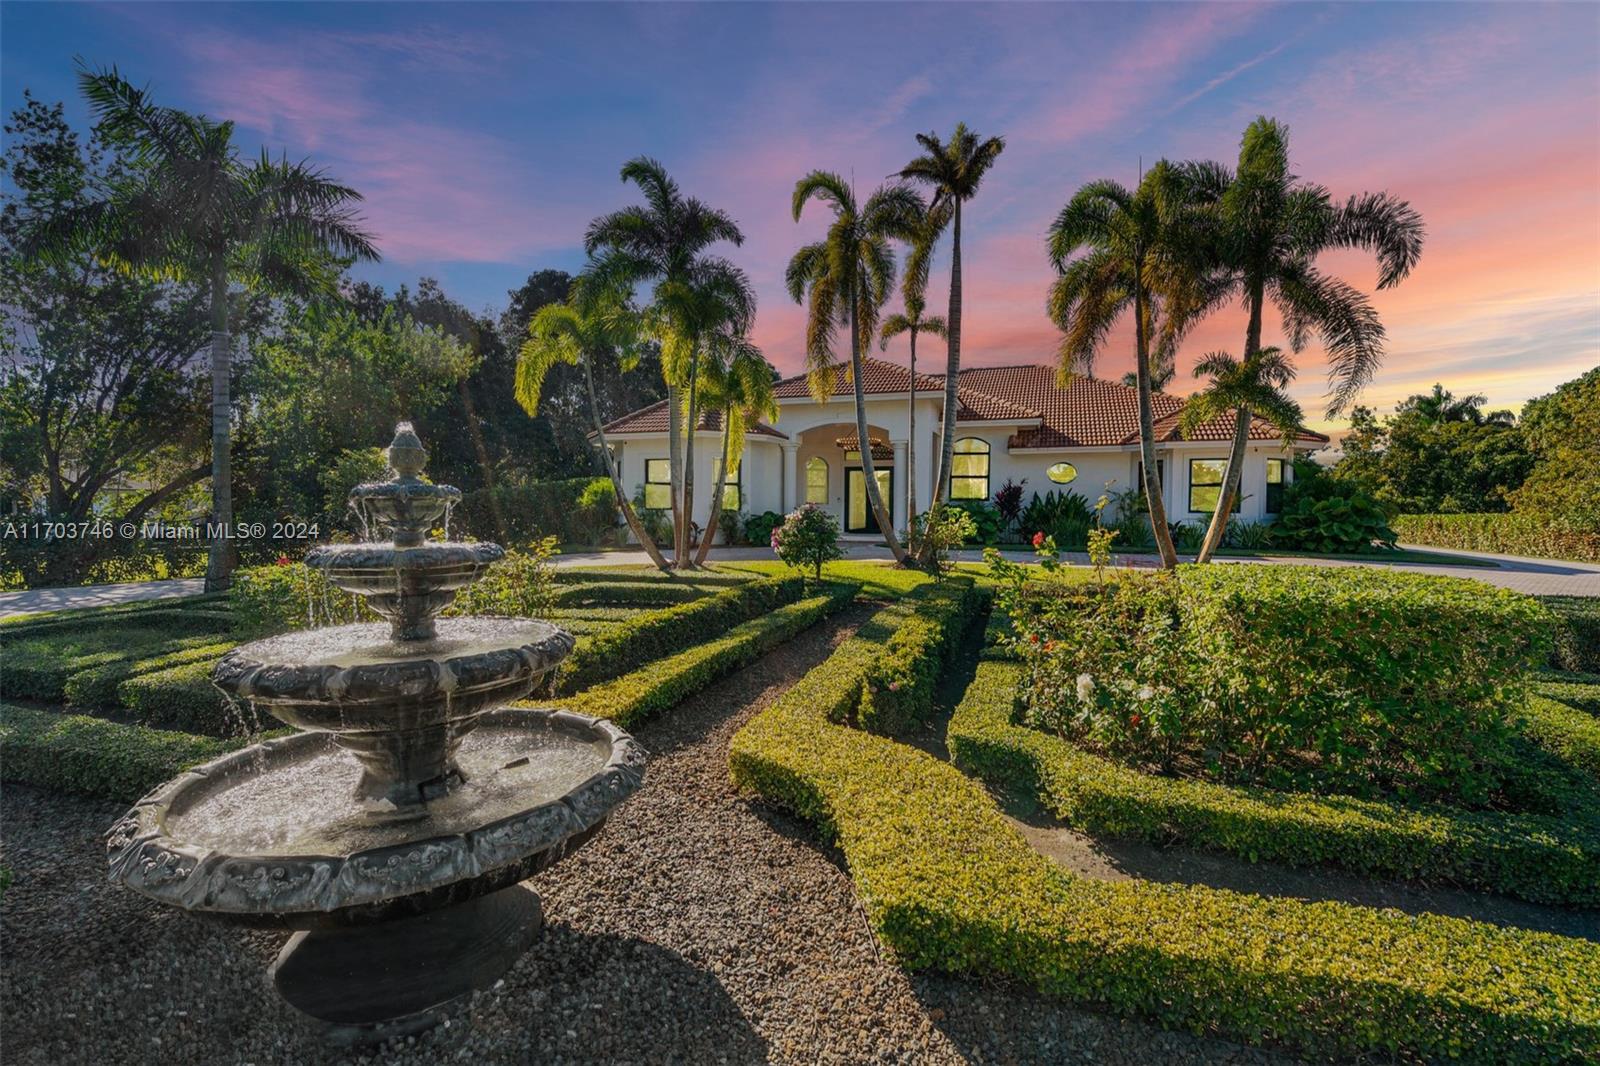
point(1014, 422)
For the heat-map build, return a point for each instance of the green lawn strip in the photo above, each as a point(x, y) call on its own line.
point(1538, 857)
point(657, 634)
point(878, 579)
point(578, 575)
point(665, 683)
point(1566, 731)
point(96, 757)
point(97, 686)
point(949, 884)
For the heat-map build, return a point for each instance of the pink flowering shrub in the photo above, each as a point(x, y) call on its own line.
point(807, 538)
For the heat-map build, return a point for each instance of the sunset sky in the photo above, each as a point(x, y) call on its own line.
point(485, 136)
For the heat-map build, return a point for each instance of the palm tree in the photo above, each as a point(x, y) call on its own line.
point(664, 241)
point(912, 321)
point(954, 171)
point(739, 384)
point(1256, 385)
point(715, 299)
point(1122, 250)
point(193, 209)
point(1264, 229)
point(1165, 368)
point(1441, 405)
point(595, 318)
point(849, 274)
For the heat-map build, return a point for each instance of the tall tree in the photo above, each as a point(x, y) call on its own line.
point(664, 242)
point(738, 385)
point(192, 208)
point(849, 274)
point(913, 321)
point(953, 170)
point(1441, 406)
point(1266, 229)
point(1118, 250)
point(597, 318)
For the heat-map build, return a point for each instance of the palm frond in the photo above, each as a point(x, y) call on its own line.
point(1388, 227)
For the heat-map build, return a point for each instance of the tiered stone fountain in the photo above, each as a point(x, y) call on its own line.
point(393, 830)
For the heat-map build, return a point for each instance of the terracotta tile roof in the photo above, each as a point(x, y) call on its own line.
point(878, 375)
point(1086, 413)
point(880, 448)
point(653, 419)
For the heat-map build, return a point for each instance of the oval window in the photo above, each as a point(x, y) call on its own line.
point(1062, 473)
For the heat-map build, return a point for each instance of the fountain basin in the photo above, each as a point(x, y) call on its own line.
point(269, 836)
point(407, 585)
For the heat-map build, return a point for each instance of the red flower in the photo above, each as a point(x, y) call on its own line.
point(1049, 645)
point(1133, 720)
point(1034, 637)
point(283, 560)
point(1038, 539)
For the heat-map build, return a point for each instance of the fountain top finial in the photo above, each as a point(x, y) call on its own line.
point(407, 456)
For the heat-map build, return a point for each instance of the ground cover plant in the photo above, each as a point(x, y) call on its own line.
point(1381, 683)
point(947, 883)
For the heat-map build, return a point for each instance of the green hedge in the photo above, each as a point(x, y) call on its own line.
point(78, 617)
point(631, 644)
point(1570, 733)
point(580, 510)
point(665, 683)
point(1577, 635)
point(1584, 695)
point(648, 575)
point(1506, 534)
point(183, 697)
point(77, 753)
point(948, 883)
point(901, 685)
point(638, 593)
point(97, 687)
point(38, 663)
point(1543, 858)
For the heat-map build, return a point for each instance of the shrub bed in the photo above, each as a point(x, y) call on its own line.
point(77, 753)
point(183, 697)
point(1584, 695)
point(97, 687)
point(631, 644)
point(636, 593)
point(1379, 682)
point(1569, 733)
point(115, 614)
point(899, 687)
point(649, 575)
point(580, 510)
point(1538, 536)
point(1543, 858)
point(1577, 633)
point(665, 683)
point(37, 664)
point(947, 883)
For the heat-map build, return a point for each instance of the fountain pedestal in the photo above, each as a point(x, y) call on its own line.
point(391, 832)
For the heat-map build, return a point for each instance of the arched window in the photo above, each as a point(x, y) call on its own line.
point(817, 480)
point(969, 470)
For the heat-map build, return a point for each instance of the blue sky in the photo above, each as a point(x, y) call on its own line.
point(486, 135)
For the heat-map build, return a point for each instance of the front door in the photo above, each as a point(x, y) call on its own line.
point(858, 516)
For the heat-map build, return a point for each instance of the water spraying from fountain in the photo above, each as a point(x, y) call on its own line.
point(393, 830)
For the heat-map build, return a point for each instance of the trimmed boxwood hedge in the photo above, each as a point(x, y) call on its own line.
point(1570, 733)
point(1539, 536)
point(641, 593)
point(1577, 635)
point(97, 686)
point(665, 683)
point(183, 697)
point(37, 664)
point(93, 756)
point(948, 883)
point(655, 635)
point(649, 575)
point(1584, 695)
point(901, 683)
point(1543, 858)
point(81, 617)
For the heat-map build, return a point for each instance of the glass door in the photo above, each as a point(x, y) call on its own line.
point(858, 516)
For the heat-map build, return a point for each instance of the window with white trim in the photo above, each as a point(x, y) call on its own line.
point(969, 469)
point(658, 484)
point(817, 480)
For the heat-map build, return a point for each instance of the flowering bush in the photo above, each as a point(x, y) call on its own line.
point(521, 585)
point(1349, 679)
point(808, 537)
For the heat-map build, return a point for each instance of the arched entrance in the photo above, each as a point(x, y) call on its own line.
point(830, 474)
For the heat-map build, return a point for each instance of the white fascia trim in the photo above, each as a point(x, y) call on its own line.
point(997, 423)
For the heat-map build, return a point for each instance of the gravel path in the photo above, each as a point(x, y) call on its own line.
point(699, 928)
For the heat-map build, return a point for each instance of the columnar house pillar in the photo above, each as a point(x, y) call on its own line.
point(902, 483)
point(790, 492)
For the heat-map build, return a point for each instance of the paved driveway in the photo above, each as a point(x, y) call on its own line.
point(1538, 577)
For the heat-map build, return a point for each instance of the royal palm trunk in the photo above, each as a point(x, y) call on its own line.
point(219, 561)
